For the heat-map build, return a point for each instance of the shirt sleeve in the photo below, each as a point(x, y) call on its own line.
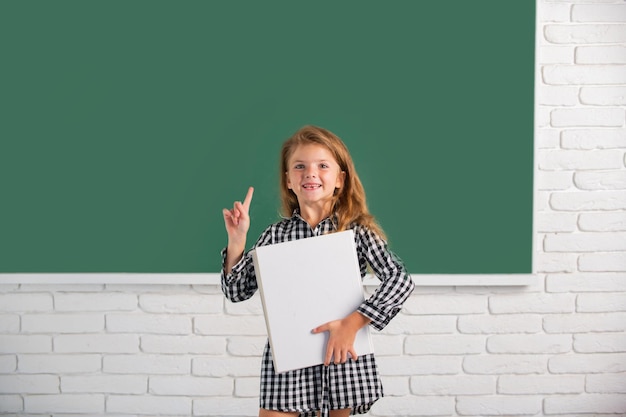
point(240, 283)
point(396, 284)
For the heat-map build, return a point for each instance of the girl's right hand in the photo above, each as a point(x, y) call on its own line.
point(237, 220)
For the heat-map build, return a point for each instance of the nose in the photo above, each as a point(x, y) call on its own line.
point(310, 173)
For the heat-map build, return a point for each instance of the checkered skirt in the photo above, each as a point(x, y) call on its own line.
point(354, 384)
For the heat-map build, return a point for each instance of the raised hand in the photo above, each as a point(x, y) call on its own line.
point(237, 222)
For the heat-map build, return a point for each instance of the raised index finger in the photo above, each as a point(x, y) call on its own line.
point(248, 199)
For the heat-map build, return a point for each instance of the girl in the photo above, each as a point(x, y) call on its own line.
point(321, 193)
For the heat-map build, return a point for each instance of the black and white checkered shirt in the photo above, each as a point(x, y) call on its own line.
point(354, 384)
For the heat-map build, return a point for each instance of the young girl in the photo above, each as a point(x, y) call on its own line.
point(321, 193)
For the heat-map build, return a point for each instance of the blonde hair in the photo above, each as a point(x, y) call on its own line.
point(349, 204)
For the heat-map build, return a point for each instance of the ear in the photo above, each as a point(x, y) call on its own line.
point(341, 178)
point(288, 180)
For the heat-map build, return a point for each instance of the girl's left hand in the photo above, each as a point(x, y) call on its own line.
point(341, 335)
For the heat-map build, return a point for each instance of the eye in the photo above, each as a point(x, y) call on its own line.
point(298, 166)
point(324, 165)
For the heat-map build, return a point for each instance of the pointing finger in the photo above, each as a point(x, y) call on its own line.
point(248, 199)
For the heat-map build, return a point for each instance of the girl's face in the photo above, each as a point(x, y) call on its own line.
point(313, 174)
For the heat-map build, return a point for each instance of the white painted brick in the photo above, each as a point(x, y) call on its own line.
point(586, 282)
point(599, 13)
point(226, 407)
point(410, 324)
point(446, 304)
point(555, 262)
point(542, 117)
point(585, 242)
point(547, 138)
point(247, 387)
point(181, 303)
point(541, 384)
point(246, 345)
point(554, 180)
point(498, 405)
point(606, 383)
point(230, 325)
point(579, 160)
point(588, 363)
point(529, 344)
point(605, 262)
point(419, 365)
point(593, 139)
point(551, 54)
point(586, 75)
point(8, 364)
point(147, 364)
point(585, 322)
point(604, 180)
point(59, 364)
point(385, 345)
point(453, 385)
point(96, 343)
point(553, 12)
point(148, 323)
point(555, 222)
point(585, 33)
point(587, 201)
point(505, 364)
point(194, 344)
point(444, 345)
point(64, 403)
point(603, 96)
point(488, 324)
point(413, 406)
point(25, 344)
point(541, 201)
point(11, 404)
point(9, 323)
point(29, 384)
point(590, 403)
point(558, 96)
point(191, 386)
point(532, 303)
point(601, 302)
point(252, 306)
point(396, 386)
point(613, 54)
point(148, 404)
point(105, 384)
point(25, 302)
point(104, 301)
point(602, 222)
point(229, 366)
point(62, 323)
point(600, 343)
point(584, 117)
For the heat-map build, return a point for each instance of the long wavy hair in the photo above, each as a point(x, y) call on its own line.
point(349, 203)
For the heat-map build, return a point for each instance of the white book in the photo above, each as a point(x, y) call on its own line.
point(303, 284)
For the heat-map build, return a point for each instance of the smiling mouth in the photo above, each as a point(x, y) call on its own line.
point(311, 186)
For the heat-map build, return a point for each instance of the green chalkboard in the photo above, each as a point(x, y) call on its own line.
point(127, 126)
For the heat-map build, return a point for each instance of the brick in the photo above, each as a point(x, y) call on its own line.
point(593, 139)
point(547, 138)
point(585, 75)
point(25, 344)
point(247, 387)
point(585, 242)
point(605, 180)
point(555, 262)
point(584, 117)
point(600, 343)
point(64, 403)
point(499, 405)
point(453, 385)
point(148, 404)
point(414, 406)
point(148, 323)
point(483, 324)
point(601, 302)
point(613, 54)
point(246, 346)
point(105, 301)
point(182, 303)
point(252, 306)
point(446, 304)
point(230, 326)
point(388, 345)
point(557, 96)
point(147, 364)
point(586, 282)
point(227, 367)
point(29, 384)
point(105, 384)
point(585, 322)
point(505, 364)
point(541, 384)
point(444, 345)
point(604, 262)
point(588, 201)
point(193, 344)
point(13, 303)
point(589, 403)
point(555, 222)
point(553, 12)
point(9, 323)
point(11, 404)
point(8, 364)
point(606, 383)
point(529, 344)
point(410, 324)
point(59, 364)
point(579, 160)
point(190, 386)
point(226, 406)
point(532, 303)
point(602, 222)
point(588, 363)
point(396, 386)
point(62, 323)
point(96, 343)
point(555, 54)
point(599, 13)
point(603, 96)
point(554, 180)
point(419, 365)
point(585, 33)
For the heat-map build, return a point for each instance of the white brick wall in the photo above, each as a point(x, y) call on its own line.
point(553, 349)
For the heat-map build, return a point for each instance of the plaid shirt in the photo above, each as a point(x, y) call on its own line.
point(396, 284)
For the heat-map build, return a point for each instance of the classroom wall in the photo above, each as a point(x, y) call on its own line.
point(557, 347)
